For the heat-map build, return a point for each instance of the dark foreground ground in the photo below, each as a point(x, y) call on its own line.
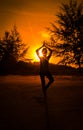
point(22, 106)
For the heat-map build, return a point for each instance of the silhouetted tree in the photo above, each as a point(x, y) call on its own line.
point(2, 50)
point(12, 49)
point(12, 45)
point(67, 33)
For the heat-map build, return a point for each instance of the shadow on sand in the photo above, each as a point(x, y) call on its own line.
point(43, 101)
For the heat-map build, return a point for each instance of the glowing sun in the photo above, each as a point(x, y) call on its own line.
point(36, 58)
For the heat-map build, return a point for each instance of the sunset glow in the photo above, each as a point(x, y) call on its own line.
point(31, 18)
point(45, 35)
point(36, 43)
point(35, 57)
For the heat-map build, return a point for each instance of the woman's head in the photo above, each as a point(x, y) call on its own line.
point(44, 51)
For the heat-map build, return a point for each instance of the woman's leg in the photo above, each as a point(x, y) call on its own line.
point(51, 79)
point(43, 83)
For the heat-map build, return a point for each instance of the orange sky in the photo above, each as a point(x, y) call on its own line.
point(31, 18)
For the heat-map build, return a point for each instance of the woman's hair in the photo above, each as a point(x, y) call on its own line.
point(44, 50)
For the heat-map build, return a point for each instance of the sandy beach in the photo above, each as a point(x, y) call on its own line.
point(23, 107)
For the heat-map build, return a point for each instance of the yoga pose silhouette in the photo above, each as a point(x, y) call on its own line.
point(44, 67)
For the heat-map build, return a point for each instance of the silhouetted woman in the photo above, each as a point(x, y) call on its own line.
point(44, 67)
